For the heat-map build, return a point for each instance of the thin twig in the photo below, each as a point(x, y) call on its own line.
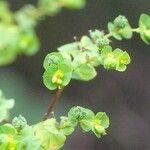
point(54, 100)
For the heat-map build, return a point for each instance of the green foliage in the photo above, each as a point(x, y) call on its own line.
point(77, 60)
point(51, 7)
point(13, 139)
point(66, 126)
point(57, 75)
point(5, 106)
point(101, 123)
point(95, 50)
point(50, 134)
point(89, 121)
point(17, 29)
point(84, 72)
point(52, 58)
point(85, 55)
point(144, 28)
point(120, 28)
point(73, 4)
point(116, 59)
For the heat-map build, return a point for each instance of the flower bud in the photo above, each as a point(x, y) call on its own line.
point(121, 21)
point(19, 122)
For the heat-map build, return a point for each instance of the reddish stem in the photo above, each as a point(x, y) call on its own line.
point(52, 103)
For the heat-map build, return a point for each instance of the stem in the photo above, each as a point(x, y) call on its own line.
point(54, 100)
point(137, 30)
point(108, 35)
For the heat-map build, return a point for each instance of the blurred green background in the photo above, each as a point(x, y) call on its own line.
point(125, 97)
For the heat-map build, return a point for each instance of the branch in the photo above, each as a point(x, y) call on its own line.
point(54, 100)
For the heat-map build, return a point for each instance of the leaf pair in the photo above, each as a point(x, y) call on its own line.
point(58, 72)
point(120, 28)
point(117, 59)
point(89, 121)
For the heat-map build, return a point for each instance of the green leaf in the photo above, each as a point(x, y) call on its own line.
point(120, 28)
point(7, 129)
point(65, 126)
point(103, 119)
point(7, 142)
point(86, 122)
point(27, 139)
point(110, 62)
point(112, 31)
point(99, 131)
point(67, 69)
point(90, 58)
point(4, 142)
point(96, 34)
point(123, 59)
point(69, 50)
point(7, 134)
point(84, 72)
point(5, 106)
point(57, 75)
point(116, 59)
point(29, 42)
point(9, 40)
point(47, 77)
point(52, 58)
point(87, 44)
point(49, 135)
point(100, 124)
point(81, 115)
point(126, 32)
point(24, 17)
point(108, 59)
point(86, 125)
point(5, 13)
point(74, 115)
point(51, 7)
point(73, 4)
point(85, 41)
point(144, 25)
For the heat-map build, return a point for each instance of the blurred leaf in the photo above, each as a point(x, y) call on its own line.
point(50, 7)
point(144, 25)
point(9, 40)
point(49, 136)
point(73, 4)
point(5, 106)
point(29, 42)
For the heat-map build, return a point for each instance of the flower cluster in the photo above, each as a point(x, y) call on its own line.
point(51, 134)
point(120, 28)
point(58, 71)
point(116, 59)
point(78, 60)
